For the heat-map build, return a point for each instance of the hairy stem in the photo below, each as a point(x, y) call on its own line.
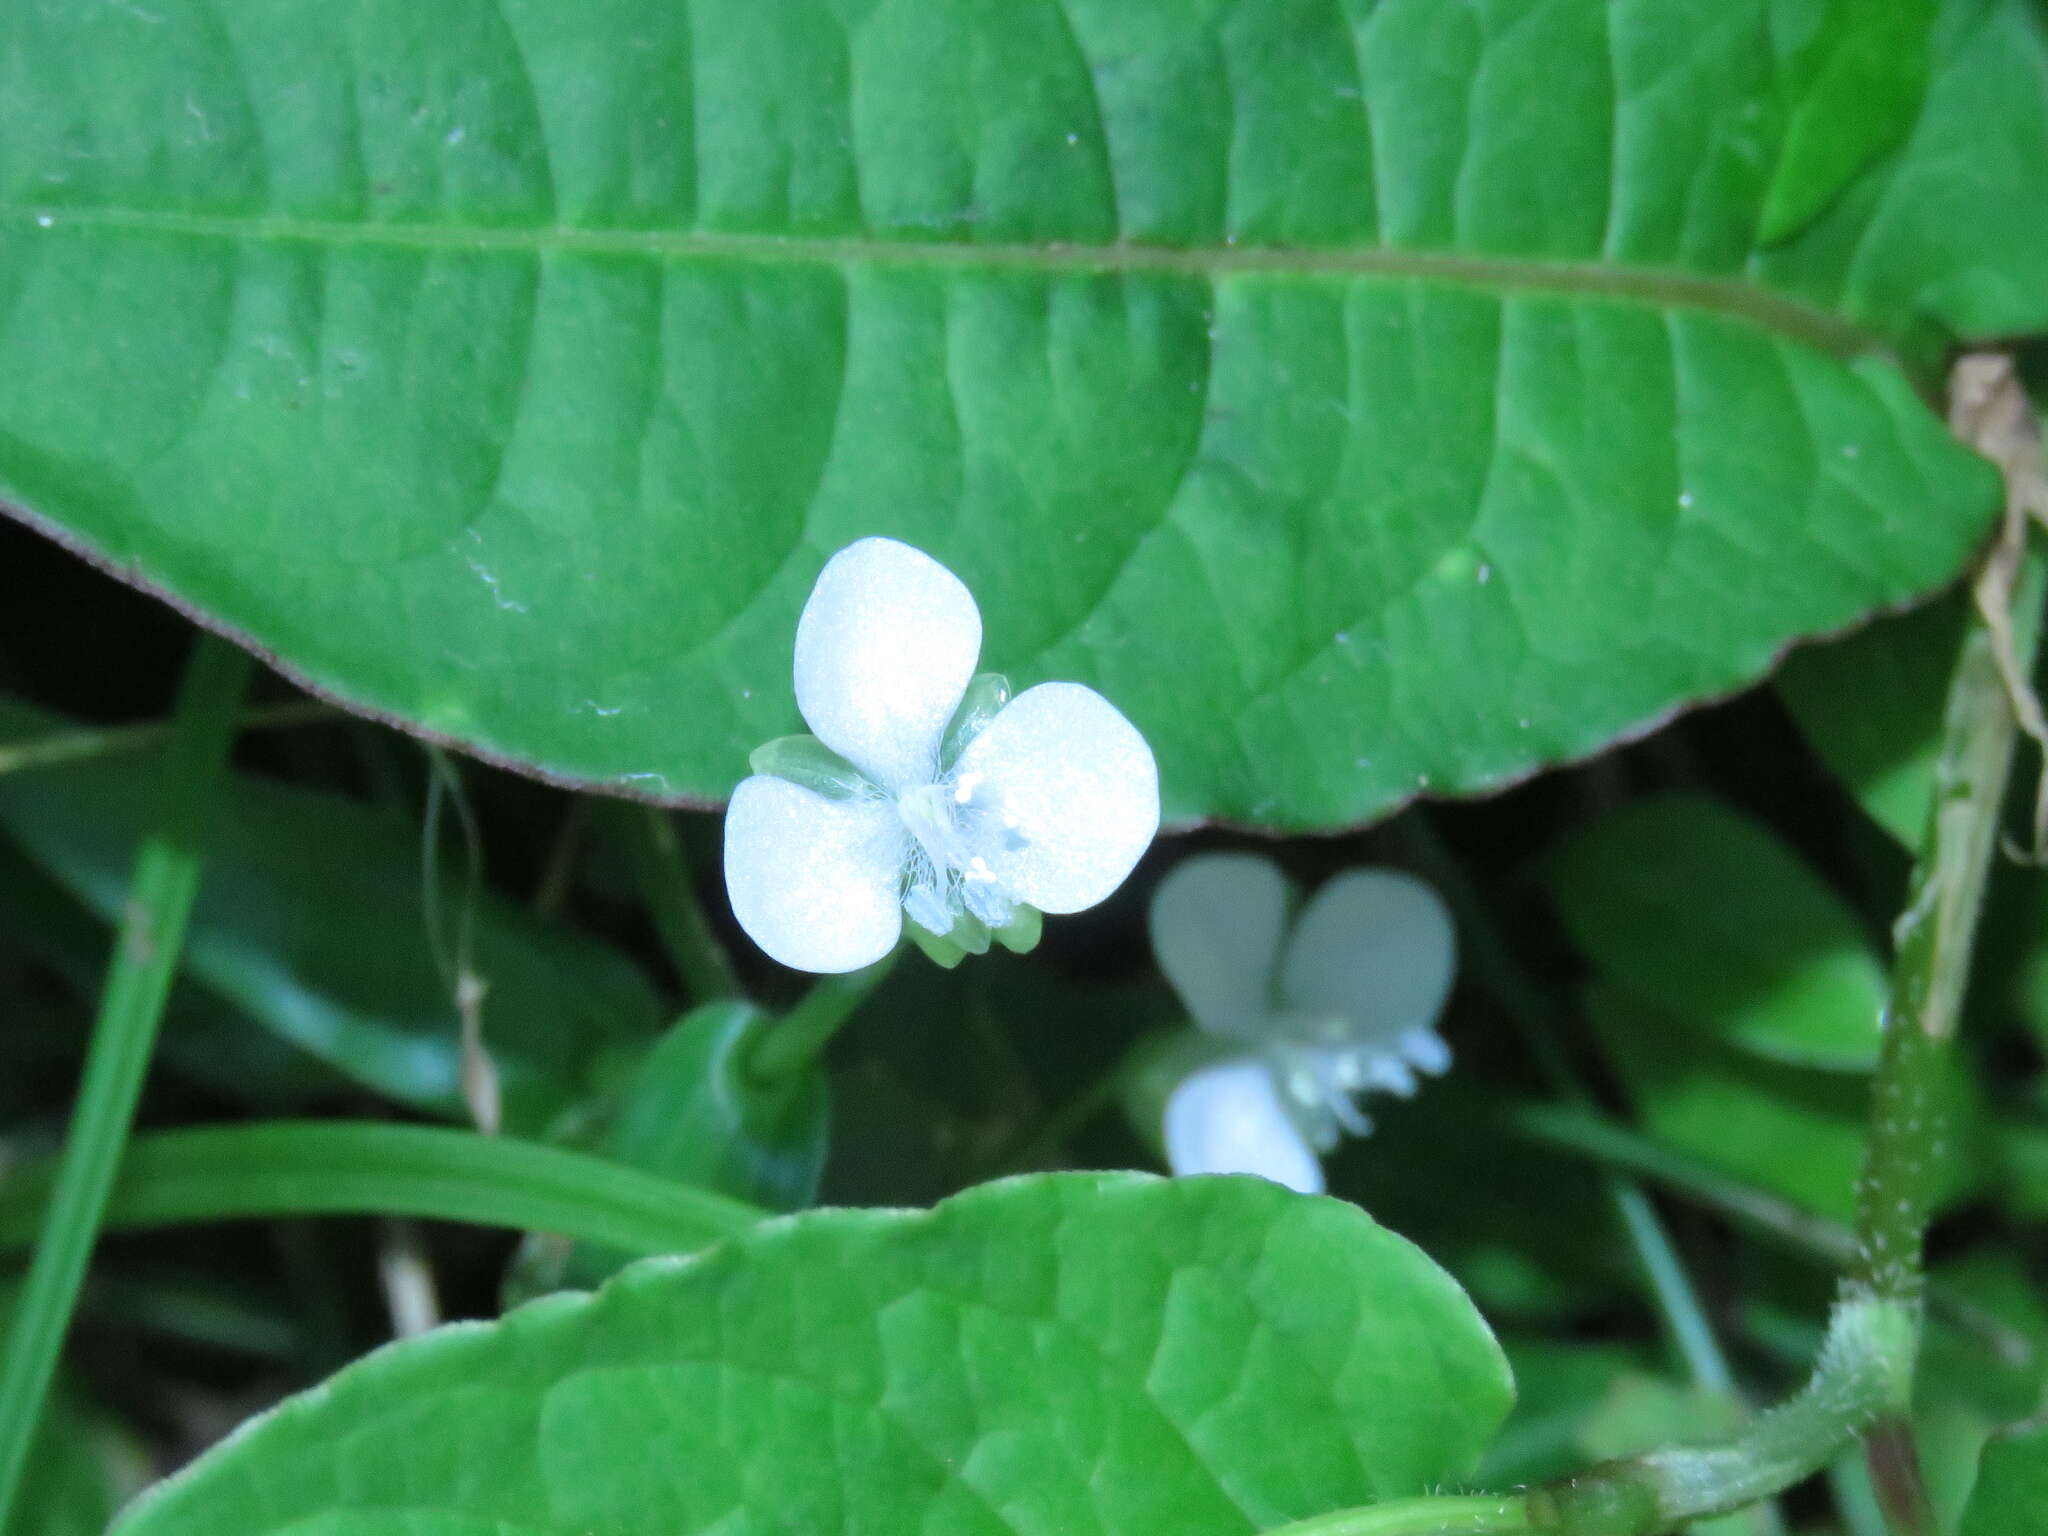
point(1468, 1515)
point(145, 958)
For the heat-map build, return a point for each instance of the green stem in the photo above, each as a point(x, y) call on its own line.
point(1933, 940)
point(792, 1043)
point(647, 836)
point(1466, 1515)
point(145, 958)
point(70, 746)
point(283, 1168)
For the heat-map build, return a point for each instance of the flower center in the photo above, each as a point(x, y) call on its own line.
point(961, 828)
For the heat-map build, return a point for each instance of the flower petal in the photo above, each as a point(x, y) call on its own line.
point(884, 650)
point(1216, 922)
point(817, 883)
point(1376, 948)
point(1228, 1118)
point(1075, 782)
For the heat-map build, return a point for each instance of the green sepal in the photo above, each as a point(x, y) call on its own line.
point(970, 933)
point(987, 693)
point(1020, 935)
point(807, 762)
point(941, 951)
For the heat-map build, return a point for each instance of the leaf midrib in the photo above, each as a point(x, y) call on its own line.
point(1653, 287)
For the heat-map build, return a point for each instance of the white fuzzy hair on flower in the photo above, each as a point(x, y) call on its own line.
point(927, 790)
point(1340, 1002)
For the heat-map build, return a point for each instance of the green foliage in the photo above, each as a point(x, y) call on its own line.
point(694, 1112)
point(310, 923)
point(1368, 400)
point(1375, 401)
point(1703, 915)
point(1099, 1351)
point(2012, 1485)
point(1871, 706)
point(1795, 1131)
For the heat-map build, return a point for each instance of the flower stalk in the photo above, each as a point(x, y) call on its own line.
point(794, 1042)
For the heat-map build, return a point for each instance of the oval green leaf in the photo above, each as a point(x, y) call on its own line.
point(1704, 915)
point(1108, 1353)
point(1370, 399)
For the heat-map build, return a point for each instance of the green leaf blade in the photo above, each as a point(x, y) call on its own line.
point(1706, 917)
point(1126, 1353)
point(1277, 373)
point(311, 923)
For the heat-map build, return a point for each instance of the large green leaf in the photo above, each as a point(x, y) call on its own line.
point(1369, 398)
point(1107, 1353)
point(310, 920)
point(1706, 916)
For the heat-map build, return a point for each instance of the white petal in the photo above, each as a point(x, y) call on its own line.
point(1375, 947)
point(1425, 1051)
point(1076, 782)
point(817, 883)
point(1216, 923)
point(884, 650)
point(1228, 1118)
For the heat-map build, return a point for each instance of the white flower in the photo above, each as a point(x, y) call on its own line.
point(1343, 1004)
point(1047, 803)
point(1227, 1118)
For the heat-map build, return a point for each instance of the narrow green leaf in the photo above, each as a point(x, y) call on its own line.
point(68, 1489)
point(333, 1168)
point(1109, 1353)
point(205, 1038)
point(1707, 917)
point(1370, 399)
point(310, 921)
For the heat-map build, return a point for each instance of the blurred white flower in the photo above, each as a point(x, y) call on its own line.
point(1227, 1118)
point(1044, 802)
point(1341, 1002)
